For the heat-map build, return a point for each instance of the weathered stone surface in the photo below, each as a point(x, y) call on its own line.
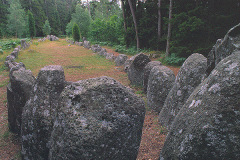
point(23, 43)
point(40, 111)
point(10, 58)
point(208, 125)
point(146, 73)
point(86, 44)
point(127, 63)
point(161, 80)
point(15, 54)
point(224, 47)
point(98, 119)
point(102, 52)
point(136, 69)
point(190, 75)
point(110, 56)
point(96, 48)
point(18, 92)
point(121, 59)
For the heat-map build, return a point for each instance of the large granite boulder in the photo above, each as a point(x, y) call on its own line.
point(40, 111)
point(161, 80)
point(224, 47)
point(121, 59)
point(110, 56)
point(18, 92)
point(97, 119)
point(146, 73)
point(208, 125)
point(136, 69)
point(190, 75)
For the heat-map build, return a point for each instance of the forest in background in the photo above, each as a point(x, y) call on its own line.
point(195, 24)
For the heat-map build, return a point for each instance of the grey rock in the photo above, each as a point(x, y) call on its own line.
point(208, 125)
point(15, 54)
point(40, 111)
point(190, 75)
point(86, 44)
point(102, 52)
point(161, 80)
point(146, 73)
point(136, 69)
point(224, 47)
point(96, 48)
point(127, 63)
point(110, 56)
point(18, 92)
point(121, 59)
point(23, 43)
point(97, 119)
point(10, 58)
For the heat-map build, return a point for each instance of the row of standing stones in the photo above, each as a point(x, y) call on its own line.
point(101, 119)
point(96, 118)
point(200, 106)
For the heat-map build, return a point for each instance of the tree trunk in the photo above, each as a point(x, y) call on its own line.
point(88, 5)
point(169, 28)
point(124, 17)
point(135, 22)
point(159, 23)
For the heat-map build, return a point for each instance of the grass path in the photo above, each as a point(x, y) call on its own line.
point(78, 63)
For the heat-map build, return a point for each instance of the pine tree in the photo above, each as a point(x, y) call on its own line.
point(31, 24)
point(46, 28)
point(76, 33)
point(16, 19)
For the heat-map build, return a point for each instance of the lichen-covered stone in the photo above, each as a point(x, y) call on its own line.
point(40, 111)
point(146, 73)
point(97, 119)
point(121, 59)
point(136, 69)
point(224, 47)
point(18, 92)
point(190, 75)
point(160, 82)
point(208, 125)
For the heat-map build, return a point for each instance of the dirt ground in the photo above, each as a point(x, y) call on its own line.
point(152, 138)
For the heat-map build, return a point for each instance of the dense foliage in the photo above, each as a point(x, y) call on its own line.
point(31, 24)
point(76, 33)
point(196, 24)
point(46, 28)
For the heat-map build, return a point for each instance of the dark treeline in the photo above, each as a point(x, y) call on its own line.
point(195, 24)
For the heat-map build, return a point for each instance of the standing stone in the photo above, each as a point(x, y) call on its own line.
point(110, 56)
point(97, 119)
point(102, 52)
point(40, 111)
point(96, 48)
point(86, 44)
point(127, 63)
point(146, 73)
point(224, 47)
point(121, 59)
point(18, 92)
point(208, 125)
point(161, 80)
point(136, 69)
point(23, 43)
point(190, 75)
